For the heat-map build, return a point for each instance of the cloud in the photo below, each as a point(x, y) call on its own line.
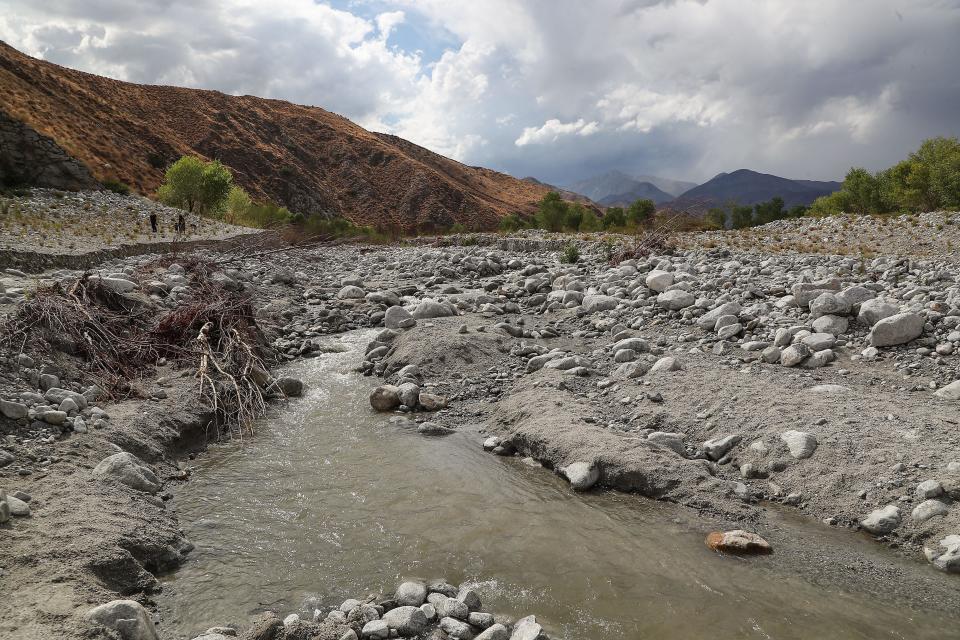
point(554, 129)
point(559, 90)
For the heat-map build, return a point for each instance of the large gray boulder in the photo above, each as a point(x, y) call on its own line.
point(129, 470)
point(800, 443)
point(56, 395)
point(411, 594)
point(882, 521)
point(898, 329)
point(408, 621)
point(829, 304)
point(675, 299)
point(430, 308)
point(708, 320)
point(949, 392)
point(126, 617)
point(13, 410)
point(594, 303)
point(527, 629)
point(398, 318)
point(874, 310)
point(658, 280)
point(582, 475)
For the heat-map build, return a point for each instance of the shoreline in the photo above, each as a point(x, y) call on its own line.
point(159, 429)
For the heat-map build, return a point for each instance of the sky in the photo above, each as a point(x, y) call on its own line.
point(557, 89)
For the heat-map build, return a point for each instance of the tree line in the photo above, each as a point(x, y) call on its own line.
point(556, 214)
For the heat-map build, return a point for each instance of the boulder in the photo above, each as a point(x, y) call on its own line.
point(386, 397)
point(874, 310)
point(56, 395)
point(658, 280)
point(708, 321)
point(829, 304)
point(527, 629)
point(675, 299)
point(946, 555)
point(351, 292)
point(800, 443)
point(738, 542)
point(794, 355)
point(429, 308)
point(882, 521)
point(398, 318)
point(13, 410)
point(407, 621)
point(127, 617)
point(949, 392)
point(582, 475)
point(928, 509)
point(594, 303)
point(130, 470)
point(411, 594)
point(494, 632)
point(716, 448)
point(897, 329)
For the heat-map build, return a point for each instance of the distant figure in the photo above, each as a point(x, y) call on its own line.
point(153, 222)
point(181, 224)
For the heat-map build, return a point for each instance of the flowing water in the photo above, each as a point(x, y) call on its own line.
point(330, 500)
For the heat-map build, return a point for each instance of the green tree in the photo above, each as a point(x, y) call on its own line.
point(573, 216)
point(769, 211)
point(512, 222)
point(195, 185)
point(614, 217)
point(237, 206)
point(590, 222)
point(641, 212)
point(716, 218)
point(862, 191)
point(551, 214)
point(741, 217)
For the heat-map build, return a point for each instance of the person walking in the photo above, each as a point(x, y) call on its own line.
point(181, 225)
point(153, 222)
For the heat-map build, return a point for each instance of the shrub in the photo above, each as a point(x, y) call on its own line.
point(570, 255)
point(614, 217)
point(589, 222)
point(641, 212)
point(551, 214)
point(112, 184)
point(512, 222)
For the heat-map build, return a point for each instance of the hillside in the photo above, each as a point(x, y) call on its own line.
point(673, 187)
point(747, 187)
point(306, 158)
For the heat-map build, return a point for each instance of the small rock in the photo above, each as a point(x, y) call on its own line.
point(738, 542)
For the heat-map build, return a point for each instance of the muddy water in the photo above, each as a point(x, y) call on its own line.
point(328, 500)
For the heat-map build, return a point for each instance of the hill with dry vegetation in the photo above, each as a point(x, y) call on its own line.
point(308, 159)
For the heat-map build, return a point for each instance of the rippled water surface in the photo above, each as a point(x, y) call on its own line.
point(330, 500)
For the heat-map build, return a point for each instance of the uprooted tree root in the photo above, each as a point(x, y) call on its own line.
point(120, 340)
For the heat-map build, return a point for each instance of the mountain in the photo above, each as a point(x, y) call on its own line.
point(747, 187)
point(66, 126)
point(673, 187)
point(639, 191)
point(564, 193)
point(615, 188)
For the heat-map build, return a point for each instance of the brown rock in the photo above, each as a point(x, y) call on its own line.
point(267, 627)
point(739, 542)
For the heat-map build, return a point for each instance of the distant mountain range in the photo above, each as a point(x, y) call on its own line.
point(612, 188)
point(745, 187)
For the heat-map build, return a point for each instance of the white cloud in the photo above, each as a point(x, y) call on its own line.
point(553, 129)
point(683, 87)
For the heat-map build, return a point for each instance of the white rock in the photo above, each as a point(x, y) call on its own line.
point(126, 617)
point(882, 521)
point(582, 475)
point(928, 509)
point(898, 329)
point(800, 443)
point(659, 280)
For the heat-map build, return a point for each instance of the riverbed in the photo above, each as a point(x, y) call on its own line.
point(331, 500)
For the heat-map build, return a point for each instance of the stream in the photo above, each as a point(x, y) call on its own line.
point(330, 500)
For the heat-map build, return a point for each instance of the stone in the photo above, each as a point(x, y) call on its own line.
point(398, 318)
point(470, 598)
point(386, 397)
point(127, 617)
point(268, 626)
point(56, 395)
point(4, 507)
point(13, 410)
point(708, 321)
point(594, 303)
point(658, 280)
point(429, 308)
point(929, 489)
point(351, 292)
point(771, 355)
point(882, 521)
point(407, 621)
point(453, 608)
point(716, 448)
point(729, 331)
point(675, 299)
point(527, 629)
point(667, 363)
point(738, 542)
point(828, 304)
point(6, 458)
point(831, 324)
point(928, 509)
point(800, 443)
point(480, 620)
point(432, 402)
point(411, 593)
point(494, 632)
point(582, 475)
point(130, 470)
point(289, 387)
point(375, 630)
point(434, 429)
point(873, 311)
point(55, 417)
point(17, 507)
point(794, 355)
point(456, 629)
point(946, 555)
point(896, 329)
point(409, 394)
point(119, 285)
point(949, 392)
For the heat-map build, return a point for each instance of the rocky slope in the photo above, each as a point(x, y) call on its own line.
point(306, 158)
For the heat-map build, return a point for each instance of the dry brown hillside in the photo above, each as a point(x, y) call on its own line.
point(309, 159)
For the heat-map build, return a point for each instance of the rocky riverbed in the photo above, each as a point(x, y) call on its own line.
point(720, 379)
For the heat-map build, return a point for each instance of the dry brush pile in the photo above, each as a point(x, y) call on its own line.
point(119, 339)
